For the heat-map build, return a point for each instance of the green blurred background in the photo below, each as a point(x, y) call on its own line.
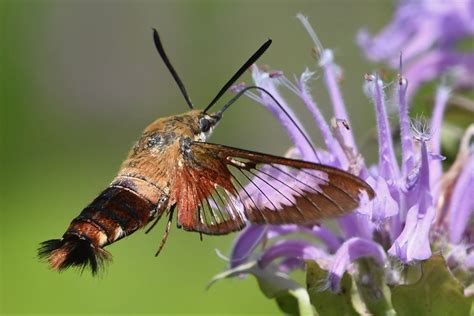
point(79, 80)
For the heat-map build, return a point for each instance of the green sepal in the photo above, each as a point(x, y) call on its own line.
point(436, 293)
point(291, 297)
point(326, 302)
point(372, 293)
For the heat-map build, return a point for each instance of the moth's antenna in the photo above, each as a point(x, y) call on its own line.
point(241, 93)
point(239, 72)
point(161, 51)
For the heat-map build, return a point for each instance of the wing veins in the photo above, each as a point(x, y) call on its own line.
point(217, 205)
point(333, 185)
point(288, 199)
point(327, 197)
point(263, 193)
point(211, 211)
point(234, 208)
point(294, 190)
point(268, 199)
point(250, 197)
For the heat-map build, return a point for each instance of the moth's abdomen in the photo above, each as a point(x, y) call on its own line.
point(127, 205)
point(115, 213)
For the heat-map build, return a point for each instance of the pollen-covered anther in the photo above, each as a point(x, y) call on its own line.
point(315, 53)
point(275, 74)
point(369, 77)
point(402, 81)
point(236, 88)
point(335, 122)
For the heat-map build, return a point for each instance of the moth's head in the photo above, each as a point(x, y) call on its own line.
point(199, 123)
point(203, 124)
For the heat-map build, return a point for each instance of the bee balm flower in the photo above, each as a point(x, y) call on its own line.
point(418, 211)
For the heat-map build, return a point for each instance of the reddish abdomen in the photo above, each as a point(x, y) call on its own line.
point(127, 205)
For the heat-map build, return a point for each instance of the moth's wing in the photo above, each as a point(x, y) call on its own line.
point(223, 187)
point(206, 197)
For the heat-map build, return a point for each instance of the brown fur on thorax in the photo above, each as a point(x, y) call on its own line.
point(156, 155)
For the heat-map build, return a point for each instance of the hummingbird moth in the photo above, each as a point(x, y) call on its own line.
point(214, 189)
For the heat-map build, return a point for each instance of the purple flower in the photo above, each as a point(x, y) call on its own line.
point(428, 32)
point(418, 210)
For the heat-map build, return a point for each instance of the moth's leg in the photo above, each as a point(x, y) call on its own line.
point(167, 230)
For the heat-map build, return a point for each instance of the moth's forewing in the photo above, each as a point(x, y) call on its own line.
point(213, 199)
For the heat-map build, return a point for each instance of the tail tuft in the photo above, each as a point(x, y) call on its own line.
point(73, 251)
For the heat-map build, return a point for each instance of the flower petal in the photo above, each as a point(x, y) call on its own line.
point(418, 26)
point(438, 62)
point(263, 79)
point(442, 96)
point(391, 39)
point(245, 243)
point(326, 61)
point(382, 206)
point(408, 159)
point(331, 144)
point(298, 249)
point(349, 252)
point(388, 167)
point(428, 33)
point(462, 203)
point(329, 239)
point(413, 243)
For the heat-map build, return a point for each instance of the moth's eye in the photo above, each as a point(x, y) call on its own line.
point(204, 125)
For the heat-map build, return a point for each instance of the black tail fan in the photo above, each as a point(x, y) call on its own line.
point(73, 251)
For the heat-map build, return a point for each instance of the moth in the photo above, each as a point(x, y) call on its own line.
point(214, 189)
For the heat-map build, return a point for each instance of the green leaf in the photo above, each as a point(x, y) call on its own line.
point(371, 290)
point(288, 304)
point(465, 44)
point(436, 293)
point(291, 297)
point(295, 303)
point(287, 292)
point(326, 302)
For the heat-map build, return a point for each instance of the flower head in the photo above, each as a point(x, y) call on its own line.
point(428, 32)
point(418, 210)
